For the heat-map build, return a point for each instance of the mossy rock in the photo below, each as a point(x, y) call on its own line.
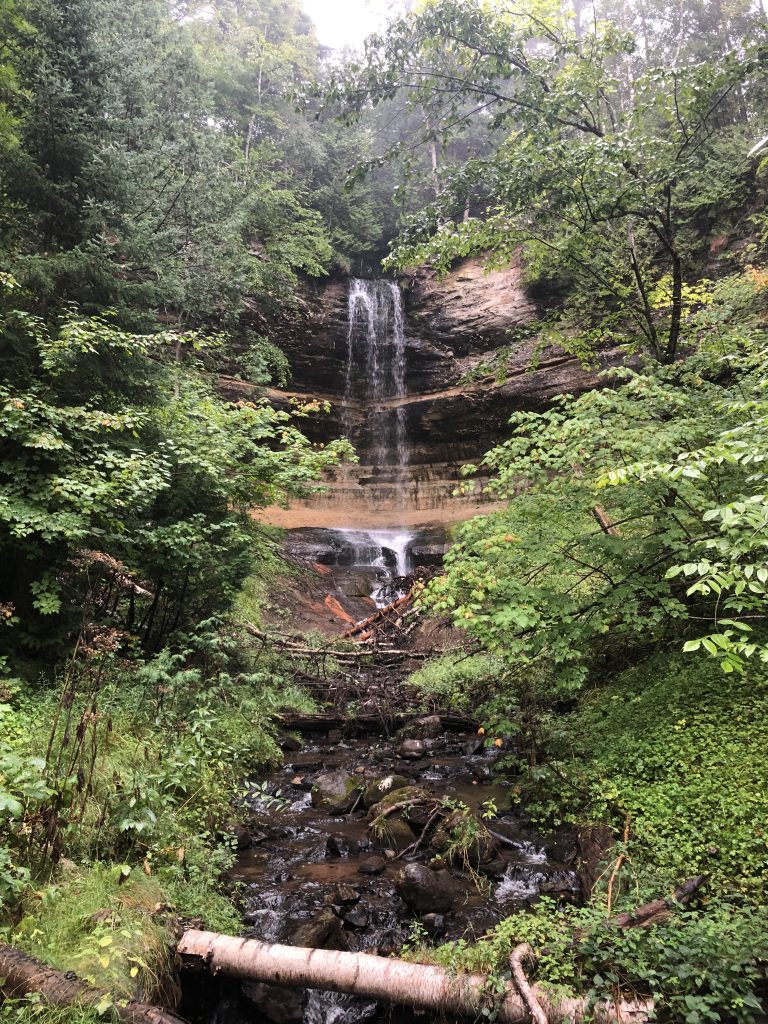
point(336, 792)
point(462, 839)
point(395, 833)
point(402, 795)
point(377, 790)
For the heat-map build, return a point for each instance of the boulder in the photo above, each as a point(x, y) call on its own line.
point(372, 866)
point(425, 891)
point(242, 837)
point(342, 895)
point(493, 868)
point(412, 750)
point(429, 727)
point(288, 741)
point(396, 833)
point(357, 917)
point(323, 931)
point(382, 787)
point(274, 1003)
point(338, 845)
point(464, 840)
point(434, 924)
point(336, 792)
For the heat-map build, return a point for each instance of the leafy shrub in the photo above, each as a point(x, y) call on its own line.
point(703, 965)
point(457, 681)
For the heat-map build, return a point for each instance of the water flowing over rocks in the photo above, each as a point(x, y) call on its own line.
point(328, 879)
point(407, 394)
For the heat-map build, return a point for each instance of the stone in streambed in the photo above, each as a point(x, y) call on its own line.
point(288, 741)
point(274, 1003)
point(336, 792)
point(412, 750)
point(342, 895)
point(338, 845)
point(323, 931)
point(372, 866)
point(464, 840)
point(243, 838)
point(493, 868)
point(425, 891)
point(382, 787)
point(358, 917)
point(434, 924)
point(429, 727)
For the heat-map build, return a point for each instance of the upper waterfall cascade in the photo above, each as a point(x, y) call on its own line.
point(375, 381)
point(375, 375)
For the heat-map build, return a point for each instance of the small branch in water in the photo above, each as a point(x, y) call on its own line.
point(415, 847)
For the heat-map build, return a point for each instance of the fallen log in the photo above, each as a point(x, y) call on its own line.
point(661, 909)
point(605, 523)
point(384, 722)
point(419, 986)
point(329, 651)
point(382, 615)
point(24, 975)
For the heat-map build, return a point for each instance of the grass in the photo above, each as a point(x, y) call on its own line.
point(682, 749)
point(108, 923)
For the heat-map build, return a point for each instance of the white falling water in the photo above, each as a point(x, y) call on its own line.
point(375, 377)
point(375, 385)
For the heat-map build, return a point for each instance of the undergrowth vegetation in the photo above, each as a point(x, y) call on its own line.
point(118, 796)
point(616, 611)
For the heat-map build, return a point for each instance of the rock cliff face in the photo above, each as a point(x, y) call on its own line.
point(455, 325)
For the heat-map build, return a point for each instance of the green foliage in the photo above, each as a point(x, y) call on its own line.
point(596, 158)
point(697, 966)
point(457, 680)
point(103, 923)
point(678, 747)
point(659, 457)
point(120, 462)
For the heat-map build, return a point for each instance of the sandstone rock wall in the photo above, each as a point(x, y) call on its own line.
point(453, 324)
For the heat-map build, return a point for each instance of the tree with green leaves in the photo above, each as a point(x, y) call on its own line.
point(610, 174)
point(119, 462)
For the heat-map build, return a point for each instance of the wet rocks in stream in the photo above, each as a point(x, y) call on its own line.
point(424, 890)
point(349, 858)
point(336, 792)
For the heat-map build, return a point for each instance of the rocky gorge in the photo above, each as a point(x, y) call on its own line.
point(469, 363)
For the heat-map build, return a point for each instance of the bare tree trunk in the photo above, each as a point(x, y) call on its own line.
point(677, 309)
point(417, 985)
point(24, 974)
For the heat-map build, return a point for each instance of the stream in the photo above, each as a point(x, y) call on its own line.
point(314, 869)
point(314, 874)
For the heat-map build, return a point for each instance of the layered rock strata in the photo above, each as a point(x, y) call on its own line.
point(455, 327)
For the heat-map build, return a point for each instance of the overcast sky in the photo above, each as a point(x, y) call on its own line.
point(346, 22)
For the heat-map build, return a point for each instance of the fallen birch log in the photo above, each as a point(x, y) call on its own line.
point(419, 986)
point(23, 975)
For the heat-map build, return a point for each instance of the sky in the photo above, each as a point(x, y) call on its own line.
point(346, 22)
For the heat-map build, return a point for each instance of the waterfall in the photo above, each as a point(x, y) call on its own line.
point(375, 385)
point(375, 377)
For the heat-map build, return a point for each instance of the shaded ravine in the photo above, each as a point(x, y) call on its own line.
point(314, 869)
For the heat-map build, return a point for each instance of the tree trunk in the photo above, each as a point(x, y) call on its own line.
point(677, 309)
point(24, 974)
point(374, 977)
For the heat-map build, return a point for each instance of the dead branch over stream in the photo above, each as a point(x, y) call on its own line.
point(419, 986)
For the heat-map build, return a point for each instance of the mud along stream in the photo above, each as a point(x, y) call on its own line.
point(326, 862)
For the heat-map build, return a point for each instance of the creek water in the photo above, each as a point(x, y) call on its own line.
point(313, 874)
point(305, 872)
